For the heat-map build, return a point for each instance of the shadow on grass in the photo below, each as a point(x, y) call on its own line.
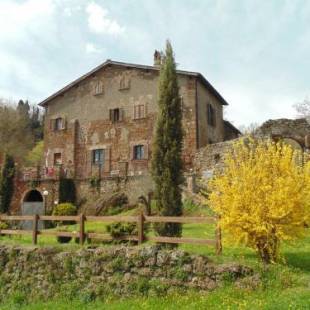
point(299, 260)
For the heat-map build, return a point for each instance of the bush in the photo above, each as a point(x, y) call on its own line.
point(3, 225)
point(65, 209)
point(118, 230)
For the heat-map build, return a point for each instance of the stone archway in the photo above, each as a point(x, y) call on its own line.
point(293, 143)
point(33, 203)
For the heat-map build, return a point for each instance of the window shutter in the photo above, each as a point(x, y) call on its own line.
point(132, 150)
point(146, 151)
point(107, 159)
point(64, 123)
point(52, 124)
point(89, 160)
point(111, 115)
point(121, 115)
point(145, 110)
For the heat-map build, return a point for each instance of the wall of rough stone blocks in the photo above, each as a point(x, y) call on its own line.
point(207, 133)
point(296, 129)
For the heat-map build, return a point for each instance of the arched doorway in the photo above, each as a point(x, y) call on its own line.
point(32, 204)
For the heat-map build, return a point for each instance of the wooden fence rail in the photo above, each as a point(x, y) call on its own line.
point(140, 219)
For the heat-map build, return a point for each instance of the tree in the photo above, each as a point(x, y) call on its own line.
point(7, 183)
point(36, 155)
point(167, 149)
point(67, 190)
point(19, 128)
point(262, 196)
point(303, 108)
point(15, 135)
point(249, 130)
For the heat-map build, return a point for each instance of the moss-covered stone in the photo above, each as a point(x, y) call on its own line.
point(89, 273)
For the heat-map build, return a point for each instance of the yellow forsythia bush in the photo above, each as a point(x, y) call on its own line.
point(263, 195)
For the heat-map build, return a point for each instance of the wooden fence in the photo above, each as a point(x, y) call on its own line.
point(140, 219)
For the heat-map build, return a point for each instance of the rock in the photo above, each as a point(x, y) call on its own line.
point(249, 283)
point(118, 270)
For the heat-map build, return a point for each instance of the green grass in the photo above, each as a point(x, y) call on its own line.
point(283, 286)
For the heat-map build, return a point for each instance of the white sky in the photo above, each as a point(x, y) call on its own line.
point(255, 53)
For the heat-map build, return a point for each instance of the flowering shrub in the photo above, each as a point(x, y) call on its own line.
point(262, 196)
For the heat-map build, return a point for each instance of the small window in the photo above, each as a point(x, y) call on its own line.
point(138, 152)
point(98, 157)
point(59, 123)
point(124, 82)
point(115, 115)
point(98, 88)
point(57, 159)
point(139, 111)
point(211, 116)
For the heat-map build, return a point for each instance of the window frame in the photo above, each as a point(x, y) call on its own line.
point(211, 115)
point(58, 124)
point(139, 111)
point(102, 157)
point(57, 159)
point(139, 152)
point(116, 112)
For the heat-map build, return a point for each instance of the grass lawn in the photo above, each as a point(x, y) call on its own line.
point(283, 286)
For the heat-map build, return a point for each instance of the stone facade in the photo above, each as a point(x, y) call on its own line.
point(101, 127)
point(295, 132)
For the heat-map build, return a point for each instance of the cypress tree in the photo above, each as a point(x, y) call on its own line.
point(167, 166)
point(7, 183)
point(67, 190)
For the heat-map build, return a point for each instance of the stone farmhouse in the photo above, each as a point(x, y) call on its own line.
point(99, 131)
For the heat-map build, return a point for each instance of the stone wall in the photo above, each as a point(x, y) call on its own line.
point(211, 157)
point(46, 272)
point(296, 129)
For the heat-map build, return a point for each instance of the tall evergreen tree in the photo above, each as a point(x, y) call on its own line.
point(7, 183)
point(67, 190)
point(167, 166)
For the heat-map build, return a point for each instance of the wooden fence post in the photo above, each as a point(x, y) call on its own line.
point(82, 228)
point(218, 239)
point(35, 229)
point(140, 227)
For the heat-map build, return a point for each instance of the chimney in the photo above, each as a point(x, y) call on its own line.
point(157, 58)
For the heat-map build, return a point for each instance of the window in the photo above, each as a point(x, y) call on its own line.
point(98, 157)
point(139, 111)
point(211, 115)
point(138, 152)
point(124, 82)
point(98, 88)
point(57, 159)
point(59, 124)
point(116, 115)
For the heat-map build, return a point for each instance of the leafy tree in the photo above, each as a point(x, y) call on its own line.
point(7, 183)
point(15, 135)
point(19, 128)
point(262, 196)
point(167, 150)
point(35, 156)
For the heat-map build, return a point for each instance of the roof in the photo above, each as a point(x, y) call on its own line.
point(232, 127)
point(129, 65)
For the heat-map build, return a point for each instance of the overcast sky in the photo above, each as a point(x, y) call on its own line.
point(256, 53)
